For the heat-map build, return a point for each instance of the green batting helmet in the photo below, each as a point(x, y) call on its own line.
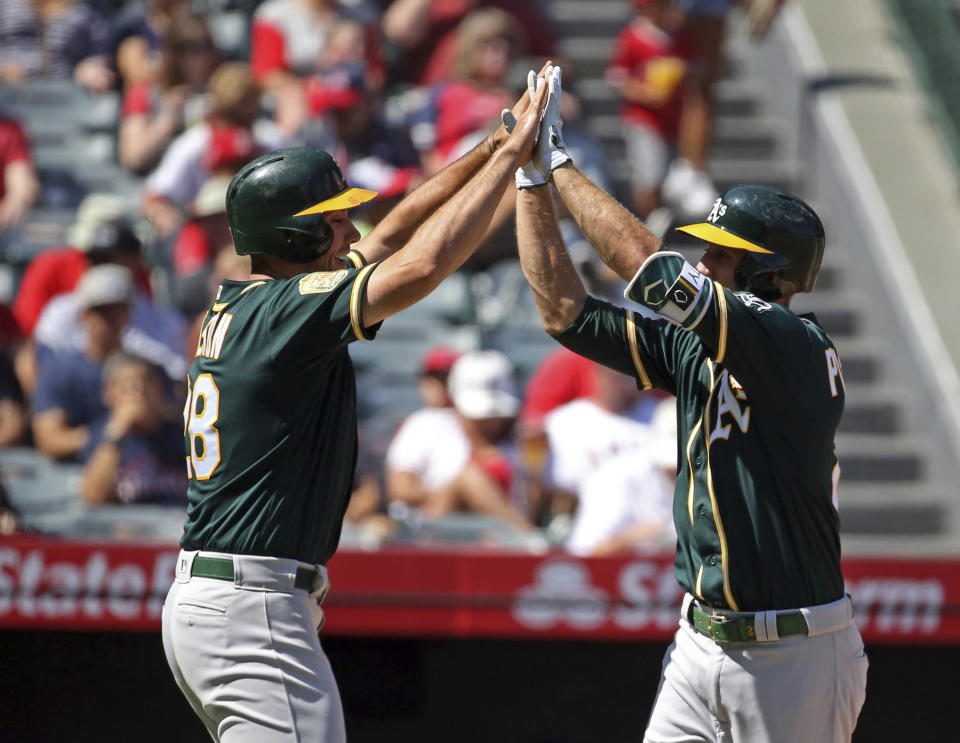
point(276, 203)
point(782, 235)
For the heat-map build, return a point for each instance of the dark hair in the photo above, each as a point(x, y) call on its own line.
point(186, 29)
point(115, 237)
point(123, 358)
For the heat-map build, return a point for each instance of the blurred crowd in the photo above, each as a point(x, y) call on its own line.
point(96, 333)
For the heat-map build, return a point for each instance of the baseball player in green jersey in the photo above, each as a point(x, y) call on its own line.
point(270, 421)
point(766, 649)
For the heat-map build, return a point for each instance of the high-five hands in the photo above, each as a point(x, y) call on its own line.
point(550, 152)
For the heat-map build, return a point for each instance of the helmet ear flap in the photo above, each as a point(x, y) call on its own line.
point(758, 277)
point(305, 246)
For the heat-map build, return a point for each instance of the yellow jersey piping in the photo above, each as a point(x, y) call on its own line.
point(355, 303)
point(724, 558)
point(635, 352)
point(692, 436)
point(722, 340)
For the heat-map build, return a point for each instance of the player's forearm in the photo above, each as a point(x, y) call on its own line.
point(442, 243)
point(620, 239)
point(396, 229)
point(557, 290)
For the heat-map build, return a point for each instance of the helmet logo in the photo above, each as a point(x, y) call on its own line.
point(719, 209)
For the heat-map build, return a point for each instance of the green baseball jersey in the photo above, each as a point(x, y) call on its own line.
point(271, 416)
point(760, 394)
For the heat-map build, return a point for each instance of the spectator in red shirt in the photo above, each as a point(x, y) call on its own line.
point(561, 377)
point(198, 244)
point(159, 106)
point(19, 186)
point(345, 105)
point(232, 133)
point(58, 270)
point(487, 45)
point(648, 75)
point(426, 33)
point(288, 39)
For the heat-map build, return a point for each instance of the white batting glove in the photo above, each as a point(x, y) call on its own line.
point(527, 176)
point(551, 151)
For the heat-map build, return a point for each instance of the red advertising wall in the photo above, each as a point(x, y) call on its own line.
point(52, 584)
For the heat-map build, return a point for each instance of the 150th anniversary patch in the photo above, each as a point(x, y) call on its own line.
point(320, 282)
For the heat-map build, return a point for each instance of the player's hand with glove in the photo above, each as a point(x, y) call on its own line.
point(509, 116)
point(527, 174)
point(551, 150)
point(523, 130)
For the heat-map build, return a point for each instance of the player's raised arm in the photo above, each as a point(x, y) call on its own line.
point(620, 239)
point(396, 229)
point(557, 288)
point(447, 238)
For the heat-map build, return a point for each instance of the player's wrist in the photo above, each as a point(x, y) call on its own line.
point(527, 176)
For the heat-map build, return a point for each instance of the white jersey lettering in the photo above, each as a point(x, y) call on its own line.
point(834, 371)
point(727, 403)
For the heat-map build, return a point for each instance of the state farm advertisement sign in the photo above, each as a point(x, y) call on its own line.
point(76, 585)
point(52, 584)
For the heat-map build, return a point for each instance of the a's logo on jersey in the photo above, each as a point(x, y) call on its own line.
point(752, 300)
point(320, 282)
point(719, 209)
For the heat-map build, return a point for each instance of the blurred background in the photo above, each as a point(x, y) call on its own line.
point(505, 568)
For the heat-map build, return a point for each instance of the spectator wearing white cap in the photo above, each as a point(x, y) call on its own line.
point(154, 332)
point(198, 243)
point(58, 269)
point(469, 460)
point(67, 397)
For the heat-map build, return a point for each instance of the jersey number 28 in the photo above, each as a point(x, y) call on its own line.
point(199, 418)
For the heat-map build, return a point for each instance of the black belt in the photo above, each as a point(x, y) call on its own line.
point(742, 629)
point(222, 569)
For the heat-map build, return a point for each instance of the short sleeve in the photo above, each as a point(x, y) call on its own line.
point(48, 394)
point(191, 249)
point(15, 145)
point(266, 49)
point(320, 310)
point(431, 445)
point(623, 59)
point(137, 101)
